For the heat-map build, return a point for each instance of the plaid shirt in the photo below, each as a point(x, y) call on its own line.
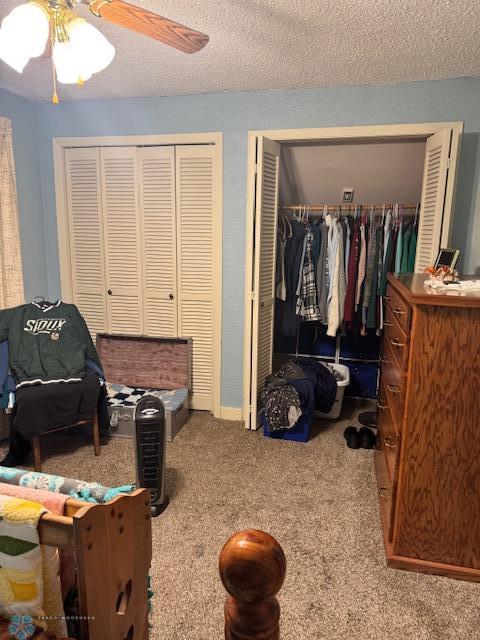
point(307, 305)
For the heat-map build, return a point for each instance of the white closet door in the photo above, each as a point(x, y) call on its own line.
point(437, 199)
point(196, 207)
point(85, 224)
point(156, 166)
point(263, 294)
point(121, 221)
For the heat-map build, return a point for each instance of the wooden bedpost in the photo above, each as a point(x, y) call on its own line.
point(252, 568)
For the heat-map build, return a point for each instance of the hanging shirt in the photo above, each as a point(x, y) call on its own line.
point(322, 276)
point(398, 257)
point(342, 287)
point(405, 244)
point(369, 265)
point(334, 272)
point(353, 261)
point(286, 316)
point(348, 239)
point(412, 252)
point(377, 260)
point(361, 264)
point(307, 306)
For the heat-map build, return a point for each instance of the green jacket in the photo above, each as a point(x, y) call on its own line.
point(47, 342)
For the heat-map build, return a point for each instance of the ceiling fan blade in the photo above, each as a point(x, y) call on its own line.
point(150, 24)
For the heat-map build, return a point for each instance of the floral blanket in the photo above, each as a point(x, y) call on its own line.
point(79, 489)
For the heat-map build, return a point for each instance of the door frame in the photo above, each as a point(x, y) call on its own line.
point(64, 252)
point(323, 134)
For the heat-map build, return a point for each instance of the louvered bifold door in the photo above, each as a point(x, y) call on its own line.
point(121, 221)
point(436, 203)
point(196, 210)
point(263, 294)
point(85, 226)
point(156, 167)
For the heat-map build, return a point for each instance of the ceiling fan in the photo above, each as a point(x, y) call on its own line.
point(79, 49)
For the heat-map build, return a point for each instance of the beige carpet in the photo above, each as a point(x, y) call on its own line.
point(319, 501)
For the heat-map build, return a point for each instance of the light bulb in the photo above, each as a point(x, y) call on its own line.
point(28, 27)
point(97, 52)
point(14, 55)
point(69, 65)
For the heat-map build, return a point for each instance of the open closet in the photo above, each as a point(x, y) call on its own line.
point(142, 252)
point(402, 188)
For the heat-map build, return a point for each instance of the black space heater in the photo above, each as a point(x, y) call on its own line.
point(150, 446)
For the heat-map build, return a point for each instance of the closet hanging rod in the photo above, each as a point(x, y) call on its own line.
point(343, 207)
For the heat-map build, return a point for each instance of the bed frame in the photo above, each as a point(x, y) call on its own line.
point(112, 543)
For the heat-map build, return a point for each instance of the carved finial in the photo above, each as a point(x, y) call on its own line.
point(252, 568)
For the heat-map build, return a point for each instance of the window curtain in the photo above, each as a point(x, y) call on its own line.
point(11, 272)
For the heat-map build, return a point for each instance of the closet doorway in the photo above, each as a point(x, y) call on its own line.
point(268, 173)
point(140, 233)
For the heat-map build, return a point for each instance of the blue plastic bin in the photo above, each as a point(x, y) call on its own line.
point(299, 433)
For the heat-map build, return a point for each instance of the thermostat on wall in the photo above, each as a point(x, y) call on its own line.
point(348, 195)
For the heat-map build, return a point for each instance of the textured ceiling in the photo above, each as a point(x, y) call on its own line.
point(275, 44)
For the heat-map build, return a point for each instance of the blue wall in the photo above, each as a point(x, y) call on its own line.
point(236, 113)
point(22, 113)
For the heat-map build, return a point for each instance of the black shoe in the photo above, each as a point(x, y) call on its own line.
point(10, 461)
point(367, 438)
point(351, 435)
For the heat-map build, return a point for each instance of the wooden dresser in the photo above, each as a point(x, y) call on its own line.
point(428, 446)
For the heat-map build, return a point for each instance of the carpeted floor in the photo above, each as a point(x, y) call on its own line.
point(319, 501)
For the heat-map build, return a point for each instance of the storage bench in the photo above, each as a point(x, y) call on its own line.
point(135, 366)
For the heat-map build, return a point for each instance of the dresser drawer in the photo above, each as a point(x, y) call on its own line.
point(398, 308)
point(390, 441)
point(397, 340)
point(393, 385)
point(385, 493)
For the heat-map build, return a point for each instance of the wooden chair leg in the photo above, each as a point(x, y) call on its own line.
point(37, 456)
point(96, 435)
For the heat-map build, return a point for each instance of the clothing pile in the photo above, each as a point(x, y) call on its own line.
point(300, 387)
point(48, 360)
point(334, 270)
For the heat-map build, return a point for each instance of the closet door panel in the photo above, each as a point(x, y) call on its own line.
point(85, 224)
point(195, 197)
point(156, 166)
point(122, 233)
point(263, 295)
point(433, 202)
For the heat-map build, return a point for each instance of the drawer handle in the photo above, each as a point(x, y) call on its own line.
point(387, 324)
point(388, 443)
point(399, 312)
point(382, 495)
point(396, 343)
point(394, 388)
point(382, 406)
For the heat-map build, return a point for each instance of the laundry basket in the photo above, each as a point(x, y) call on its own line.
point(301, 431)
